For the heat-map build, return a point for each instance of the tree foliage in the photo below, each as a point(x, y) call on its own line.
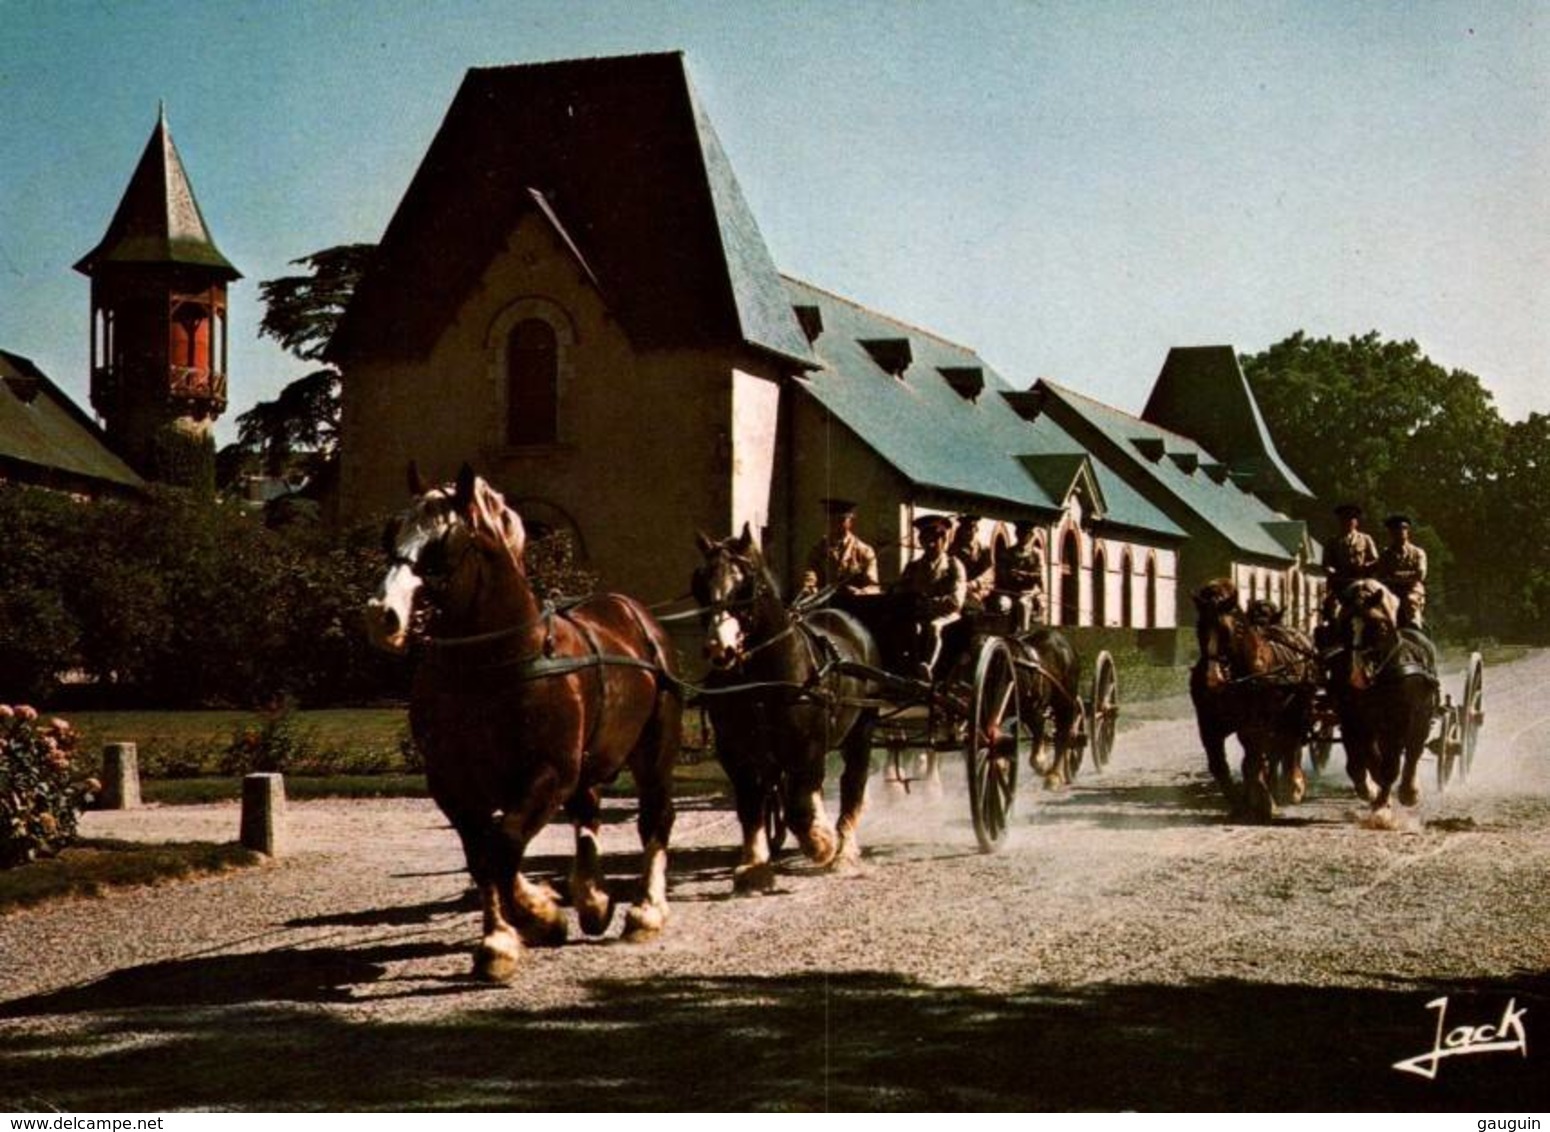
point(181, 601)
point(1378, 423)
point(299, 429)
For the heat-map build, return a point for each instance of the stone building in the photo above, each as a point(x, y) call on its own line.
point(574, 296)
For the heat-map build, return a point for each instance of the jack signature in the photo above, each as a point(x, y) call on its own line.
point(1505, 1036)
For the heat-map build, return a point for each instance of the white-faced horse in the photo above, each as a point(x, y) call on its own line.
point(523, 708)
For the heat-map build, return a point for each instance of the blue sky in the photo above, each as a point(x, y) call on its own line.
point(1069, 188)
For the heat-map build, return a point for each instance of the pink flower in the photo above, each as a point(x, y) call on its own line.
point(26, 712)
point(6, 711)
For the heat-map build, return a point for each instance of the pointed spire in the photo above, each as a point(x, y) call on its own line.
point(158, 220)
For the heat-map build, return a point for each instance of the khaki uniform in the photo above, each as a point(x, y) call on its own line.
point(979, 568)
point(1020, 582)
point(1347, 559)
point(1402, 568)
point(940, 585)
point(848, 563)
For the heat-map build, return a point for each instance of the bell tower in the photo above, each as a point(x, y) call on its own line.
point(158, 320)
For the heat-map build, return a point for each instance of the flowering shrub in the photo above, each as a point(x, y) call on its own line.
point(39, 802)
point(274, 742)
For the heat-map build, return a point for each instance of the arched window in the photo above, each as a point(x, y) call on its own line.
point(1070, 580)
point(532, 383)
point(1100, 588)
point(1127, 613)
point(1152, 614)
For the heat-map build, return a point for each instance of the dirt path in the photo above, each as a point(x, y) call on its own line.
point(1129, 949)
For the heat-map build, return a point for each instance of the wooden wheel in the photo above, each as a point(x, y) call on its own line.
point(998, 739)
point(1471, 714)
point(1450, 746)
point(1103, 716)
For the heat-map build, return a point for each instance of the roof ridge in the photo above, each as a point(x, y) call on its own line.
point(858, 305)
point(1068, 391)
point(580, 60)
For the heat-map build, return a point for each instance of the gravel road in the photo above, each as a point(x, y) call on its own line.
point(1129, 949)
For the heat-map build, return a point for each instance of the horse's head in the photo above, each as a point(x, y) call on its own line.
point(732, 586)
point(1367, 622)
point(448, 532)
point(1217, 619)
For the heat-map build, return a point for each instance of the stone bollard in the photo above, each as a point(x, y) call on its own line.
point(120, 776)
point(263, 813)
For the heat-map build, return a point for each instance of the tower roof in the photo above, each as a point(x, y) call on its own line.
point(158, 220)
point(1202, 393)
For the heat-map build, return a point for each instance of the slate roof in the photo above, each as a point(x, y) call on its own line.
point(935, 436)
point(1201, 392)
point(631, 171)
point(43, 430)
point(158, 220)
point(1184, 469)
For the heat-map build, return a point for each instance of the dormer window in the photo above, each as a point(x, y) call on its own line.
point(967, 381)
point(892, 355)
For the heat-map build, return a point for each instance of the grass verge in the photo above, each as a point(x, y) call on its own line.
point(92, 867)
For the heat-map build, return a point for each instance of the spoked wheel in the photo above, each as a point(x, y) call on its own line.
point(1471, 714)
point(998, 739)
point(775, 815)
point(1081, 736)
point(1450, 746)
point(1103, 716)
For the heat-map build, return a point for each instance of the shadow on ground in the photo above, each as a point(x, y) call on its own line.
point(247, 1033)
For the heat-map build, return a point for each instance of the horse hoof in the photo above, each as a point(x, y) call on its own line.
point(596, 915)
point(1258, 805)
point(820, 846)
point(847, 861)
point(751, 880)
point(1409, 795)
point(544, 931)
point(497, 958)
point(1054, 781)
point(644, 920)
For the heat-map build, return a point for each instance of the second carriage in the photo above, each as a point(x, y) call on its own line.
point(1003, 698)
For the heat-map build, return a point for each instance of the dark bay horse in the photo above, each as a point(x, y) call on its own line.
point(1383, 681)
point(522, 708)
point(1047, 684)
point(779, 705)
point(1256, 681)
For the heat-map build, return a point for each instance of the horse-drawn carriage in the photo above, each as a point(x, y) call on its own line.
point(782, 673)
point(1369, 683)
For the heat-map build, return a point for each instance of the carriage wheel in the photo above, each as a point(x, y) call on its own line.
point(1081, 735)
point(1450, 746)
point(1471, 714)
point(775, 815)
point(998, 739)
point(1104, 713)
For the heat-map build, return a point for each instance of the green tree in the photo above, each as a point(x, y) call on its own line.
point(1379, 423)
point(299, 429)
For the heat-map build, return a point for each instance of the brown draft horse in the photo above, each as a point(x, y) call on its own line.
point(1258, 682)
point(521, 709)
point(779, 702)
point(1383, 680)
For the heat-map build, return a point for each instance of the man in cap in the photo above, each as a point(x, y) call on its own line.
point(937, 582)
point(1347, 559)
point(979, 561)
point(1020, 570)
point(840, 559)
point(1402, 568)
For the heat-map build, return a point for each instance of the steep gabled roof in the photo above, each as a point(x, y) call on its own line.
point(42, 429)
point(1201, 392)
point(1177, 465)
point(158, 220)
point(948, 437)
point(626, 164)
